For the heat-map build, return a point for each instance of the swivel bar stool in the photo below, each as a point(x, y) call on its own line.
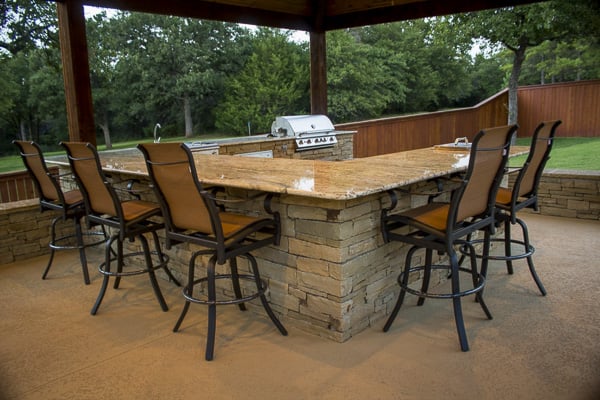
point(441, 226)
point(196, 216)
point(524, 194)
point(68, 203)
point(128, 219)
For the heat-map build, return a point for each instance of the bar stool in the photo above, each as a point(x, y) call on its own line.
point(128, 220)
point(68, 203)
point(194, 215)
point(441, 226)
point(523, 194)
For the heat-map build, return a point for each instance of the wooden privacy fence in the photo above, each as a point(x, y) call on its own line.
point(577, 104)
point(390, 135)
point(16, 186)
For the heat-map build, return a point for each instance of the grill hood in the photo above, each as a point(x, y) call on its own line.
point(310, 131)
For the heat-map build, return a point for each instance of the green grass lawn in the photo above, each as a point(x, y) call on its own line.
point(567, 153)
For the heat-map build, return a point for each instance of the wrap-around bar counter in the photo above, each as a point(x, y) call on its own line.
point(332, 274)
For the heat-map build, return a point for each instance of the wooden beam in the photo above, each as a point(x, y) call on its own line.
point(318, 73)
point(413, 10)
point(76, 71)
point(213, 10)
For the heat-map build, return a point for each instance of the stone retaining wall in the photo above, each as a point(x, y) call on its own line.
point(25, 231)
point(571, 194)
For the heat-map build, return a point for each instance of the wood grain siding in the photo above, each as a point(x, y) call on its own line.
point(408, 132)
point(17, 186)
point(577, 104)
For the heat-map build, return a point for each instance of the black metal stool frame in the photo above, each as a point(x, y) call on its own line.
point(97, 184)
point(52, 197)
point(523, 195)
point(446, 240)
point(217, 244)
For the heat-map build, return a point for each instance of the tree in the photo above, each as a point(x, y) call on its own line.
point(274, 81)
point(521, 28)
point(431, 67)
point(486, 76)
point(362, 78)
point(168, 63)
point(29, 71)
point(102, 54)
point(27, 25)
point(559, 61)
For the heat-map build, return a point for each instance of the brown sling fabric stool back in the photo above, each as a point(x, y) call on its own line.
point(68, 203)
point(441, 226)
point(195, 215)
point(128, 219)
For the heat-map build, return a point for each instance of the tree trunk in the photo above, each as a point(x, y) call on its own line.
point(513, 85)
point(23, 130)
point(106, 131)
point(187, 110)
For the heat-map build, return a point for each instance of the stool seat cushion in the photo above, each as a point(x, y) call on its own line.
point(139, 209)
point(73, 197)
point(504, 196)
point(434, 215)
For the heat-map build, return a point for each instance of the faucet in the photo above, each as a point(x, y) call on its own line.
point(155, 128)
point(460, 140)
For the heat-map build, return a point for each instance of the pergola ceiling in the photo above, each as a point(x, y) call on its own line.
point(306, 15)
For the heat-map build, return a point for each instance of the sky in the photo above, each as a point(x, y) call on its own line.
point(89, 11)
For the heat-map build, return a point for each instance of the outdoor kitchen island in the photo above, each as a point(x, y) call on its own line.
point(332, 274)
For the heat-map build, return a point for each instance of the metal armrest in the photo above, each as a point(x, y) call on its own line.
point(130, 190)
point(443, 185)
point(222, 202)
point(512, 170)
point(66, 176)
point(60, 175)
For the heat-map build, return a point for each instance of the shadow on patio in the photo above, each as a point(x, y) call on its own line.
point(535, 347)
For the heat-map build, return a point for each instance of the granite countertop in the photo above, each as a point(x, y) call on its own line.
point(334, 180)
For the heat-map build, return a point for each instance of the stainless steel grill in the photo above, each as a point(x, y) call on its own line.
point(310, 131)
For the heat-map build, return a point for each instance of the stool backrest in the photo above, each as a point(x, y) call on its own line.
point(47, 186)
point(99, 196)
point(173, 173)
point(530, 174)
point(488, 157)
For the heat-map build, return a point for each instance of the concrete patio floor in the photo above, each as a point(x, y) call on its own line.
point(535, 347)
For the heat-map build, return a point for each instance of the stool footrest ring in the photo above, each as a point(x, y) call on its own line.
point(57, 246)
point(419, 293)
point(527, 251)
point(137, 271)
point(244, 299)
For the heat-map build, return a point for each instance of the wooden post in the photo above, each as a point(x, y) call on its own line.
point(76, 71)
point(318, 73)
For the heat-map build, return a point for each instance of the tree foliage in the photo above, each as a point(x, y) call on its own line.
point(27, 25)
point(520, 28)
point(274, 81)
point(195, 77)
point(356, 70)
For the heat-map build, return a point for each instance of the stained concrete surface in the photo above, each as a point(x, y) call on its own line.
point(535, 347)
